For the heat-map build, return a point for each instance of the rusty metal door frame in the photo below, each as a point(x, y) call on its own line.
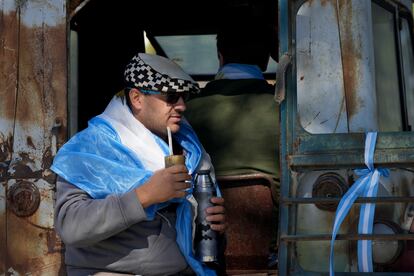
point(33, 90)
point(8, 94)
point(302, 151)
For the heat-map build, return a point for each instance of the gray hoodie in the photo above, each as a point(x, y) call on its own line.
point(113, 234)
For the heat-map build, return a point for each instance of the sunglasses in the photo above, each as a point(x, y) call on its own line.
point(170, 98)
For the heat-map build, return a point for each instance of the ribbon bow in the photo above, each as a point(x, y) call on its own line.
point(365, 186)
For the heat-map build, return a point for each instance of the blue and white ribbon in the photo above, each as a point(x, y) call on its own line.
point(365, 186)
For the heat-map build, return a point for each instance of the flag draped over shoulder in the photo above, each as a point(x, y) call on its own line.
point(116, 154)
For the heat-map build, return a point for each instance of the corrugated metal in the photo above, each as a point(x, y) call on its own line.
point(38, 114)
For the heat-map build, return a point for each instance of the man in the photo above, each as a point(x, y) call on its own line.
point(235, 115)
point(118, 209)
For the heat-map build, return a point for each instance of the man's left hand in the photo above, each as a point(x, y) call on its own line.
point(216, 215)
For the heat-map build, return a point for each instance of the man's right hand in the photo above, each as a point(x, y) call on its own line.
point(164, 184)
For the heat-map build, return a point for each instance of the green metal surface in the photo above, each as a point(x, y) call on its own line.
point(302, 151)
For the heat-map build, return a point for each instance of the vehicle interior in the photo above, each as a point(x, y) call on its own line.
point(104, 35)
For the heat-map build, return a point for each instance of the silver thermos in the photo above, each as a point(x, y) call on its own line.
point(205, 238)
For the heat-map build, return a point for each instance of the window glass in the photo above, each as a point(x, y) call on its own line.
point(408, 64)
point(196, 54)
point(386, 69)
point(320, 84)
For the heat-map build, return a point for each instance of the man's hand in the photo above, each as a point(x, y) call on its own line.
point(216, 215)
point(164, 184)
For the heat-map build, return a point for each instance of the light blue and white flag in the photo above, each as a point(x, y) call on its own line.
point(365, 186)
point(116, 154)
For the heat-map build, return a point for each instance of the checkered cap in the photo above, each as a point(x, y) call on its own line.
point(156, 73)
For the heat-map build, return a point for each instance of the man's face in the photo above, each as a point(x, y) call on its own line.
point(156, 113)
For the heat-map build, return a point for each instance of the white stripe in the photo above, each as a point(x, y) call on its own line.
point(368, 207)
point(134, 134)
point(364, 256)
point(366, 153)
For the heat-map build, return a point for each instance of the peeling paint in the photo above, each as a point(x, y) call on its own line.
point(42, 76)
point(40, 13)
point(34, 45)
point(8, 66)
point(47, 158)
point(355, 21)
point(24, 167)
point(350, 56)
point(320, 84)
point(6, 147)
point(54, 243)
point(30, 142)
point(8, 6)
point(32, 248)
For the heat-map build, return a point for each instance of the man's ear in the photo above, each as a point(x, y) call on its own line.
point(135, 97)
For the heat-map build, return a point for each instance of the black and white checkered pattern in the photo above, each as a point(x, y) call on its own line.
point(141, 75)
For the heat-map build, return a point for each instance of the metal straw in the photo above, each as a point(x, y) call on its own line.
point(170, 140)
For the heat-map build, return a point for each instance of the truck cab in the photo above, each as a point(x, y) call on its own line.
point(340, 69)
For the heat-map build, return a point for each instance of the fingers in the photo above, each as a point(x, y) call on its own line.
point(216, 215)
point(181, 177)
point(219, 209)
point(217, 200)
point(219, 227)
point(217, 218)
point(218, 222)
point(182, 185)
point(179, 173)
point(177, 169)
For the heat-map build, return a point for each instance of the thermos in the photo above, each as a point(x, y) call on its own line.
point(205, 237)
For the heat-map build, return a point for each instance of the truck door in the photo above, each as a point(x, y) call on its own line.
point(351, 73)
point(32, 126)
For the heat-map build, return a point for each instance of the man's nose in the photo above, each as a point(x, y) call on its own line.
point(180, 105)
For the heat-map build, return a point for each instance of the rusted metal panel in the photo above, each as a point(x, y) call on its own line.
point(335, 67)
point(8, 90)
point(310, 151)
point(308, 214)
point(2, 228)
point(249, 220)
point(32, 245)
point(355, 24)
point(320, 84)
